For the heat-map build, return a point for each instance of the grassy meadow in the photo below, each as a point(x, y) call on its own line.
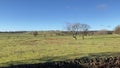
point(25, 48)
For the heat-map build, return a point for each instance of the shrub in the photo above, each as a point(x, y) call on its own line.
point(35, 33)
point(117, 29)
point(101, 32)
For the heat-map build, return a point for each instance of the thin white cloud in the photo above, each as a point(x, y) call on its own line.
point(102, 6)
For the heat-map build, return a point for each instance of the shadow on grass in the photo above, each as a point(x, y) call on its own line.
point(98, 60)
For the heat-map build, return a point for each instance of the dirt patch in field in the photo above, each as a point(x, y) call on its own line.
point(56, 40)
point(30, 42)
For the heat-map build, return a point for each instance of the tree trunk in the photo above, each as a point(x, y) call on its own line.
point(82, 36)
point(74, 36)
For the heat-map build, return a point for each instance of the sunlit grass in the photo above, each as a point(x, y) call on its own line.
point(24, 48)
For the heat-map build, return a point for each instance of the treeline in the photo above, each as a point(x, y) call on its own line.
point(14, 32)
point(72, 29)
point(56, 32)
point(61, 33)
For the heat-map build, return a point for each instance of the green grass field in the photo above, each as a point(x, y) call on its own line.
point(24, 48)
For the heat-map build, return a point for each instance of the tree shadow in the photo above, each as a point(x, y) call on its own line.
point(93, 60)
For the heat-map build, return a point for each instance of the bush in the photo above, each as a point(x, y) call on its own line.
point(101, 32)
point(117, 29)
point(35, 33)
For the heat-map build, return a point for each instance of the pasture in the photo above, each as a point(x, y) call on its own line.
point(26, 49)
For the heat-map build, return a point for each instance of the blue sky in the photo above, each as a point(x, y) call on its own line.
point(24, 15)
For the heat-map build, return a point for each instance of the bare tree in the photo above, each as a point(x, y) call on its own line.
point(75, 28)
point(117, 29)
point(84, 29)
